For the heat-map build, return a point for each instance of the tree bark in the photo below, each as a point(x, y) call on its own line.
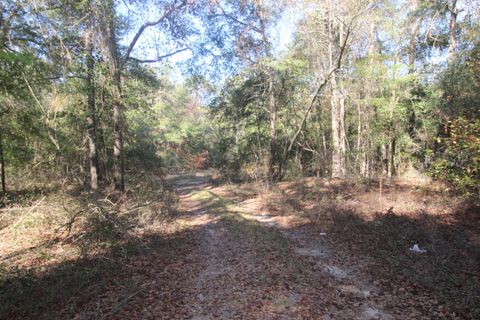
point(109, 47)
point(337, 109)
point(91, 132)
point(273, 170)
point(413, 41)
point(118, 161)
point(452, 32)
point(391, 167)
point(384, 159)
point(2, 166)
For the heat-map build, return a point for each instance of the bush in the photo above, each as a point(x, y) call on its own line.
point(459, 163)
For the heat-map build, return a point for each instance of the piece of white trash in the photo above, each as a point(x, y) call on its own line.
point(417, 249)
point(323, 233)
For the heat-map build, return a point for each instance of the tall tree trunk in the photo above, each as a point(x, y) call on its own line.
point(118, 161)
point(364, 141)
point(109, 47)
point(337, 109)
point(361, 143)
point(273, 169)
point(413, 39)
point(384, 159)
point(411, 68)
point(368, 153)
point(452, 32)
point(102, 152)
point(2, 166)
point(274, 165)
point(391, 167)
point(91, 132)
point(391, 134)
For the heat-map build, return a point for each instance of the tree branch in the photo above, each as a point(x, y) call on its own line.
point(317, 92)
point(146, 25)
point(235, 19)
point(159, 58)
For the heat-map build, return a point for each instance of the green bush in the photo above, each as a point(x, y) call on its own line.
point(459, 164)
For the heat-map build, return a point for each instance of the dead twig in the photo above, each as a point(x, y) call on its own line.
point(121, 303)
point(19, 222)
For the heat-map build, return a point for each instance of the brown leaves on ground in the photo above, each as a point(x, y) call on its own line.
point(443, 282)
point(307, 249)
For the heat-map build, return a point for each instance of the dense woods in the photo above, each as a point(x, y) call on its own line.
point(362, 89)
point(102, 100)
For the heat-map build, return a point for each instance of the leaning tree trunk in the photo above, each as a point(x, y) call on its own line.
point(2, 166)
point(91, 132)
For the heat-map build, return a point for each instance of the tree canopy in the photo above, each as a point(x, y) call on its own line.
point(92, 89)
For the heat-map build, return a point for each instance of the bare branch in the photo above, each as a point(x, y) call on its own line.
point(146, 25)
point(159, 58)
point(320, 87)
point(235, 19)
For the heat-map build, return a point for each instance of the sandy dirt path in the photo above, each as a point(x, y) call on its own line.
point(241, 264)
point(249, 266)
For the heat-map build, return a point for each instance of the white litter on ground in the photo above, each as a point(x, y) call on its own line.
point(417, 249)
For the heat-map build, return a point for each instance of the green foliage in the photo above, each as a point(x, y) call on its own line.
point(460, 160)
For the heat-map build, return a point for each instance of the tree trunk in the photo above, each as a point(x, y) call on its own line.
point(384, 161)
point(364, 145)
point(411, 69)
point(118, 163)
point(413, 41)
point(91, 132)
point(391, 167)
point(452, 32)
point(273, 163)
point(337, 163)
point(273, 169)
point(2, 166)
point(361, 144)
point(337, 103)
point(110, 48)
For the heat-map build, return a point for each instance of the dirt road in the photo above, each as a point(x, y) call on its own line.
point(251, 265)
point(239, 263)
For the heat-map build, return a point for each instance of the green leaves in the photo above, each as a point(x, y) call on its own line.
point(12, 57)
point(460, 161)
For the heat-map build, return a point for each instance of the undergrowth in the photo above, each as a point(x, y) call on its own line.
point(63, 245)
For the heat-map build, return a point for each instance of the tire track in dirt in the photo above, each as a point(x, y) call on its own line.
point(230, 277)
point(344, 282)
point(226, 266)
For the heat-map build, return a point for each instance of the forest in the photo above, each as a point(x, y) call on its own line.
point(239, 159)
